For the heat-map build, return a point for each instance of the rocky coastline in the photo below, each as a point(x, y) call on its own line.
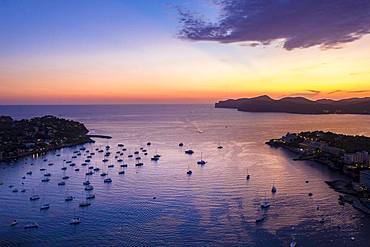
point(19, 138)
point(346, 154)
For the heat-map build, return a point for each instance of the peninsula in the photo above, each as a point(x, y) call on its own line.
point(38, 135)
point(345, 153)
point(298, 105)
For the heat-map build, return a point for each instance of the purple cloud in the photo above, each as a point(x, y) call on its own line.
point(299, 23)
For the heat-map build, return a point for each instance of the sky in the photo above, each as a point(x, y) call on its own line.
point(162, 51)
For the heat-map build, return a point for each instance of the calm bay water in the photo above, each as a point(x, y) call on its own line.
point(159, 205)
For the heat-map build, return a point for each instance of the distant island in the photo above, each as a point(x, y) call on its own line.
point(38, 135)
point(298, 105)
point(344, 153)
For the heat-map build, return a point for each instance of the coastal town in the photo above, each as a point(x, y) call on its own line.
point(19, 138)
point(344, 153)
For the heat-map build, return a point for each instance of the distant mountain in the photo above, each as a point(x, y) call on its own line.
point(299, 105)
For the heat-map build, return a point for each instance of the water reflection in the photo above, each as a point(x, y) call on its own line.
point(159, 204)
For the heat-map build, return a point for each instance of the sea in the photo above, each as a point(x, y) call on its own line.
point(159, 204)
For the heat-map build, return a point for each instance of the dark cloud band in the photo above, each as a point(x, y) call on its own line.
point(299, 23)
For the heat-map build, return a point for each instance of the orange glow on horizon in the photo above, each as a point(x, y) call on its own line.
point(188, 73)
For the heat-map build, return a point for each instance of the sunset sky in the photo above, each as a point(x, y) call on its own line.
point(116, 51)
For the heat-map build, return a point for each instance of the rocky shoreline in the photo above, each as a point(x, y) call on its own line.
point(19, 138)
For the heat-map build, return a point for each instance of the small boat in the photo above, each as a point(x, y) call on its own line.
point(45, 180)
point(201, 161)
point(273, 189)
point(108, 180)
point(219, 146)
point(260, 218)
point(89, 197)
point(15, 190)
point(86, 182)
point(68, 198)
point(89, 187)
point(14, 223)
point(248, 176)
point(265, 204)
point(75, 221)
point(45, 206)
point(84, 204)
point(23, 190)
point(121, 172)
point(189, 151)
point(154, 158)
point(189, 172)
point(31, 225)
point(61, 183)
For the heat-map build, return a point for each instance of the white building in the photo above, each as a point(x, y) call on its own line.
point(356, 158)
